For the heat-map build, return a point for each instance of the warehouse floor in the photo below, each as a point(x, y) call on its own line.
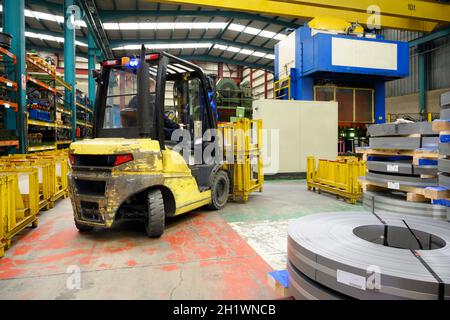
point(203, 255)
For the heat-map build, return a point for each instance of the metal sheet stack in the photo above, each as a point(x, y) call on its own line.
point(360, 255)
point(401, 162)
point(444, 144)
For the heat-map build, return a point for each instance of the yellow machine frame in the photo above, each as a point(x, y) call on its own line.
point(339, 177)
point(242, 141)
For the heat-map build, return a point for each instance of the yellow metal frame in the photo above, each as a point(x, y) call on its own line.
point(339, 177)
point(18, 210)
point(389, 116)
point(278, 86)
point(242, 142)
point(335, 88)
point(413, 15)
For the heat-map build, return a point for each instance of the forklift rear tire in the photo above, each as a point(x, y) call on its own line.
point(154, 225)
point(83, 228)
point(220, 188)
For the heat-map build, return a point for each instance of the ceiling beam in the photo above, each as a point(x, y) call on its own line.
point(204, 58)
point(421, 10)
point(311, 10)
point(430, 37)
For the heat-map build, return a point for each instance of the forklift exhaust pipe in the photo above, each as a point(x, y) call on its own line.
point(145, 114)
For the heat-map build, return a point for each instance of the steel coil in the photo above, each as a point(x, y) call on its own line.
point(345, 252)
point(389, 202)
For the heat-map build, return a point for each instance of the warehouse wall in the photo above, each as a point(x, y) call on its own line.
point(258, 83)
point(402, 95)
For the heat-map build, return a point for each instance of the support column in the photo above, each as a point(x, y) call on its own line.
point(265, 85)
point(14, 24)
point(422, 79)
point(380, 102)
point(69, 60)
point(91, 66)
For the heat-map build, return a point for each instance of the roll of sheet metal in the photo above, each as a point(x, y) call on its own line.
point(401, 179)
point(389, 202)
point(444, 165)
point(345, 252)
point(399, 129)
point(303, 288)
point(444, 148)
point(400, 168)
point(404, 143)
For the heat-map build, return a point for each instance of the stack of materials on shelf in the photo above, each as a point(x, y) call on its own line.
point(401, 162)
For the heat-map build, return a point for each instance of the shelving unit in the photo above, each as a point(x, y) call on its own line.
point(49, 118)
point(84, 116)
point(8, 102)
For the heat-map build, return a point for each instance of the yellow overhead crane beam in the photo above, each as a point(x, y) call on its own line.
point(422, 16)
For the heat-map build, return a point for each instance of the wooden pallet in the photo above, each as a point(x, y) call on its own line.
point(412, 194)
point(417, 154)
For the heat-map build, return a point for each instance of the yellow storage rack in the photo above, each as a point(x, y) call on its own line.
point(29, 183)
point(242, 150)
point(339, 177)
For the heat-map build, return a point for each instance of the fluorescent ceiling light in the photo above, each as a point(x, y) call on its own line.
point(246, 52)
point(233, 49)
point(166, 46)
point(252, 31)
point(270, 56)
point(258, 54)
point(236, 27)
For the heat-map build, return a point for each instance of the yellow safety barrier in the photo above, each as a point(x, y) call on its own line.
point(278, 86)
point(339, 177)
point(242, 145)
point(19, 203)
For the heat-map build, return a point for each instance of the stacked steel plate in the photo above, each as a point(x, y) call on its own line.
point(361, 255)
point(397, 172)
point(444, 150)
point(444, 144)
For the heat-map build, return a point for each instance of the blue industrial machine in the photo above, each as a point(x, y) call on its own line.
point(333, 60)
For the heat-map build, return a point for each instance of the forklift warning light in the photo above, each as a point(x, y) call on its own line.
point(109, 63)
point(130, 62)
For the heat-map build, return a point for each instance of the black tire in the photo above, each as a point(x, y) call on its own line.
point(82, 227)
point(220, 189)
point(154, 224)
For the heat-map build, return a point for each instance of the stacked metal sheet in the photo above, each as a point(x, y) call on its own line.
point(396, 171)
point(444, 144)
point(361, 255)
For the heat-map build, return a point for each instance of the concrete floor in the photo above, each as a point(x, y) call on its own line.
point(202, 255)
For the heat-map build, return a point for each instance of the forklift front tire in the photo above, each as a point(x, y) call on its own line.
point(154, 224)
point(220, 188)
point(83, 228)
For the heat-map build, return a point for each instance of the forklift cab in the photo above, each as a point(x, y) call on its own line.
point(152, 97)
point(169, 88)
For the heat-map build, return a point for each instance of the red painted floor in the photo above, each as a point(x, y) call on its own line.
point(199, 257)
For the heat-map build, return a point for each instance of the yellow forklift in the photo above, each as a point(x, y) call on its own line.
point(133, 168)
